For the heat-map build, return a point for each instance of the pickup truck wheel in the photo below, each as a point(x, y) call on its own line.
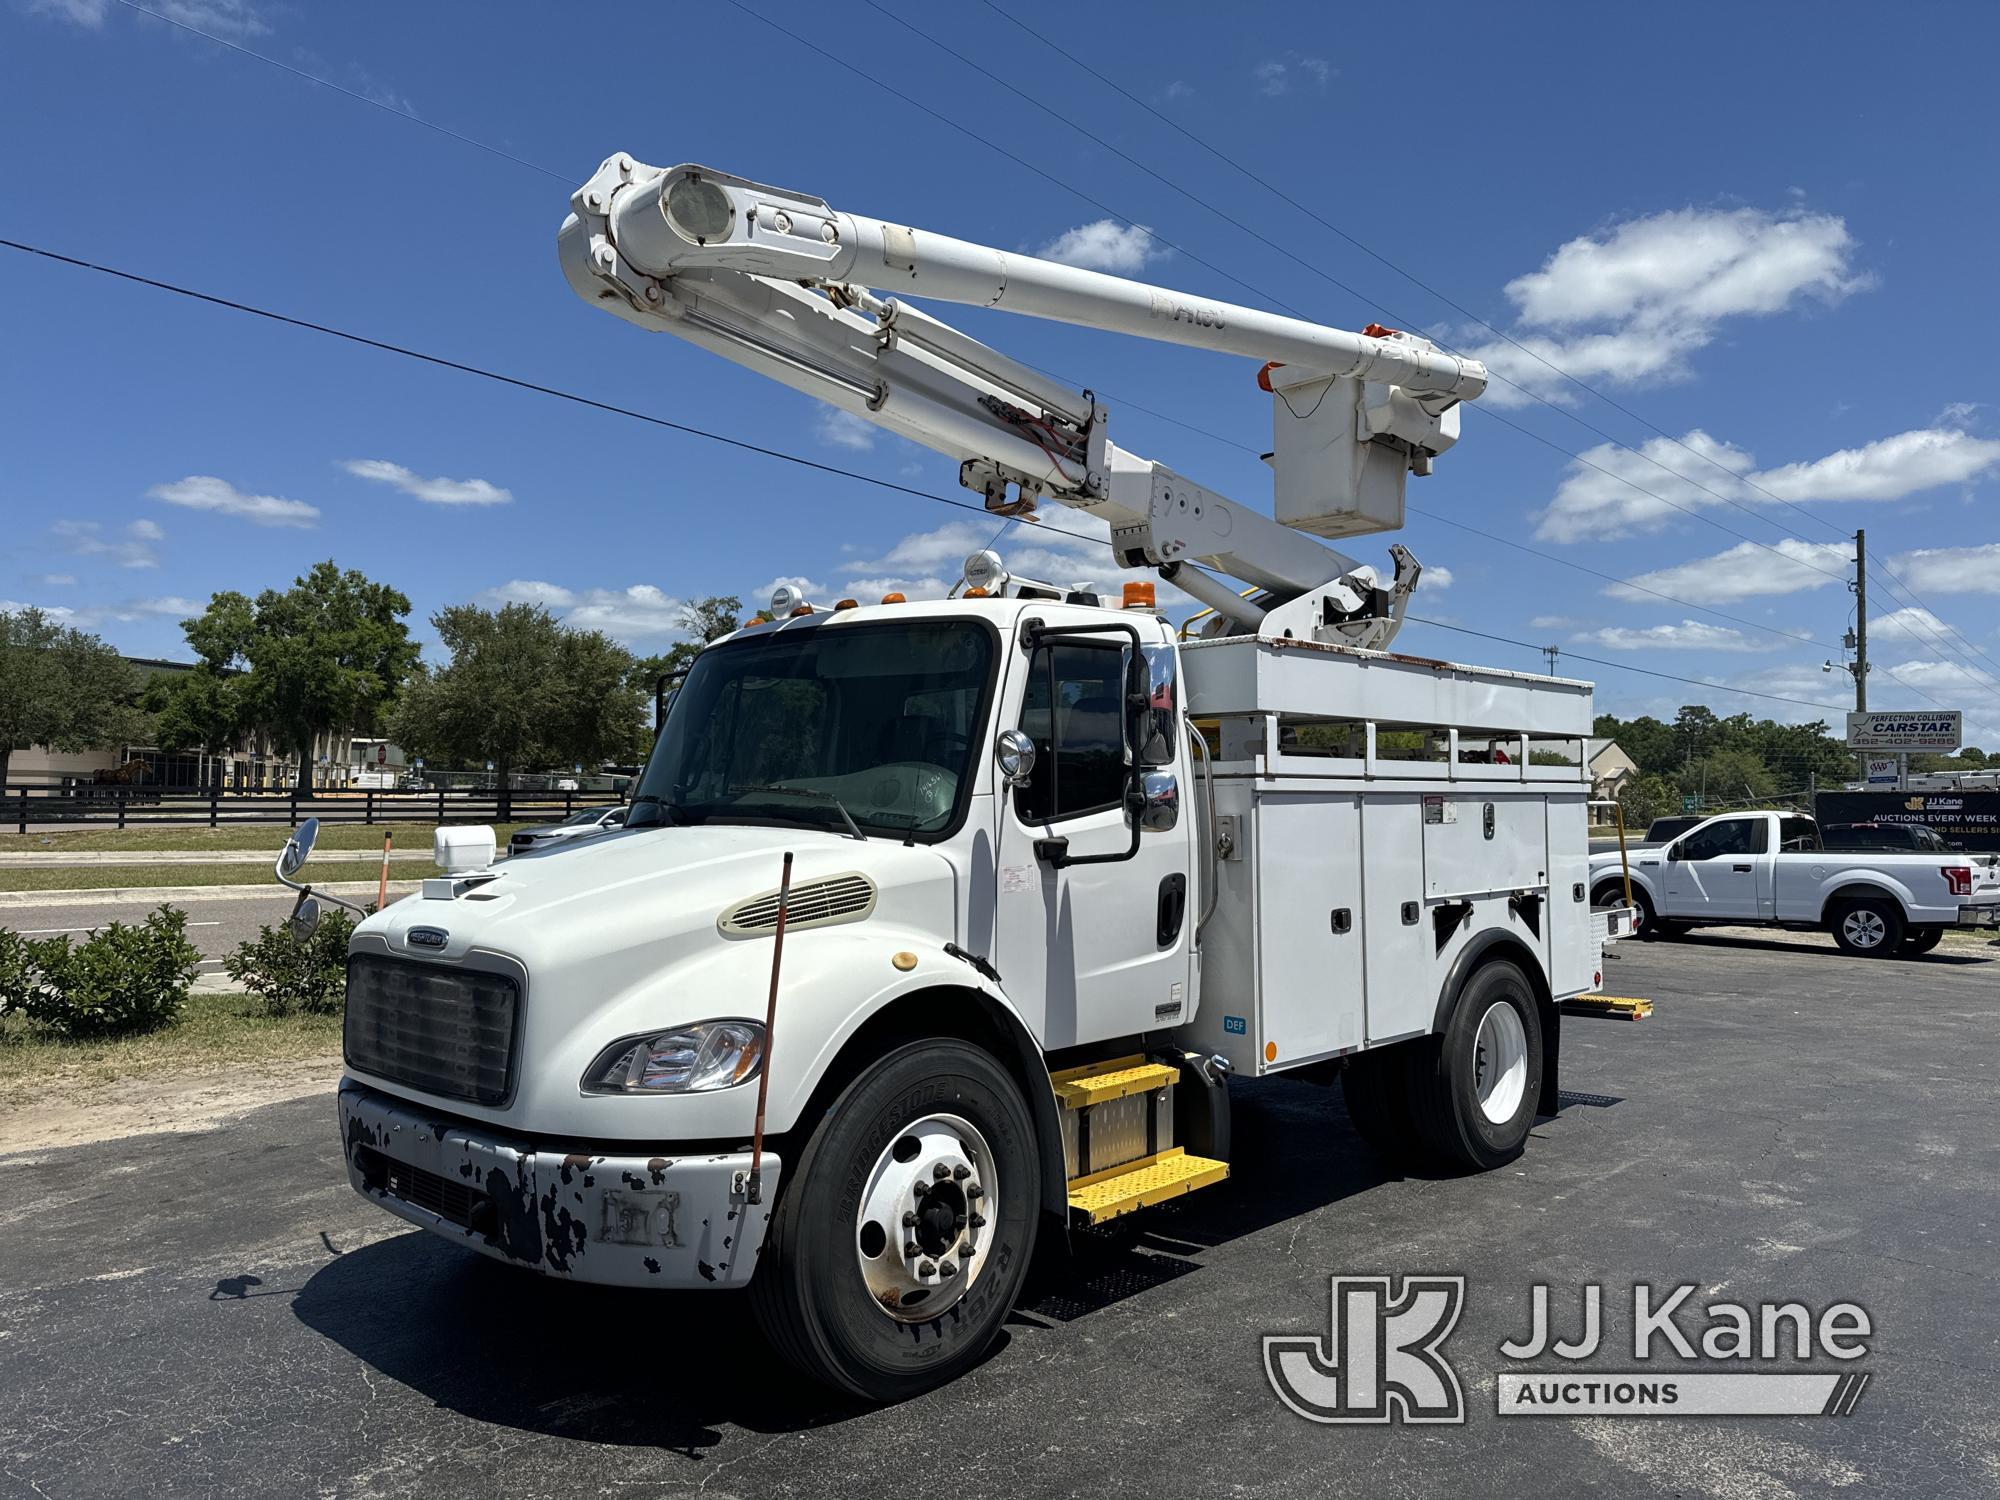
point(1922, 939)
point(900, 1240)
point(1868, 929)
point(1474, 1090)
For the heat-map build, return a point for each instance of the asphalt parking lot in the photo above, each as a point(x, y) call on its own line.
point(216, 1313)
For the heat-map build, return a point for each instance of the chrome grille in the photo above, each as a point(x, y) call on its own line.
point(444, 1031)
point(812, 903)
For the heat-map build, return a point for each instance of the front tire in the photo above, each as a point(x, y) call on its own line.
point(1473, 1091)
point(1868, 929)
point(835, 1293)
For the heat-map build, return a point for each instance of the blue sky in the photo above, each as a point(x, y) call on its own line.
point(1765, 231)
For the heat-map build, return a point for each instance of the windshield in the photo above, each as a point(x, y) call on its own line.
point(878, 720)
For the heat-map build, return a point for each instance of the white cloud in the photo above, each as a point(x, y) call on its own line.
point(1552, 622)
point(845, 430)
point(925, 564)
point(53, 611)
point(234, 19)
point(1689, 635)
point(1951, 570)
point(1105, 245)
point(1437, 578)
point(87, 539)
point(438, 491)
point(92, 616)
point(56, 580)
point(1958, 413)
point(1887, 469)
point(760, 598)
point(1274, 75)
point(206, 492)
point(1912, 624)
point(1610, 491)
point(1178, 89)
point(1744, 570)
point(1629, 305)
point(637, 613)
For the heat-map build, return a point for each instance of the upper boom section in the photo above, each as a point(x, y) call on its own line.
point(690, 217)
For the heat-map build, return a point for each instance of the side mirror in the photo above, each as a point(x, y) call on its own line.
point(304, 918)
point(1159, 801)
point(1014, 754)
point(1156, 707)
point(298, 848)
point(1673, 852)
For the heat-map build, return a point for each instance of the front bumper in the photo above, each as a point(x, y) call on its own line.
point(616, 1220)
point(1979, 916)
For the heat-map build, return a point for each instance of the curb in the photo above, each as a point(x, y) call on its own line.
point(96, 858)
point(153, 895)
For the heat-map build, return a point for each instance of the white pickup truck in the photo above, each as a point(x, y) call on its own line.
point(1768, 868)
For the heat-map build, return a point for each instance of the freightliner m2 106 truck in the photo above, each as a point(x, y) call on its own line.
point(936, 928)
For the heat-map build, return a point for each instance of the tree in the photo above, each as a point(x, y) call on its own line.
point(703, 620)
point(1644, 798)
point(62, 688)
point(522, 689)
point(327, 654)
point(1728, 776)
point(202, 708)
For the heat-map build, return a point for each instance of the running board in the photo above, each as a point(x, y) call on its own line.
point(1116, 1191)
point(1608, 1007)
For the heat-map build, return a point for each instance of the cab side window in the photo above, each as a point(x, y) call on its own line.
point(1730, 836)
point(1073, 711)
point(1798, 835)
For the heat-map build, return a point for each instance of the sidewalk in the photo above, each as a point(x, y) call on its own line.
point(354, 890)
point(94, 857)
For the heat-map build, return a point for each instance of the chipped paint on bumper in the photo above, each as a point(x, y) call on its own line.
point(652, 1221)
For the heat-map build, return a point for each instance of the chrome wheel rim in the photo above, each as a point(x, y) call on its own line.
point(1500, 1062)
point(927, 1217)
point(1864, 929)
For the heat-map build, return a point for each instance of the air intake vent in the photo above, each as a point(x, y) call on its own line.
point(814, 903)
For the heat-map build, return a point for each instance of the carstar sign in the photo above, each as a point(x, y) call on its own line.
point(1936, 729)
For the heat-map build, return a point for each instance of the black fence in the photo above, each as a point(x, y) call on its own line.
point(22, 808)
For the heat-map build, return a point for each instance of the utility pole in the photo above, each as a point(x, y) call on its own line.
point(1861, 621)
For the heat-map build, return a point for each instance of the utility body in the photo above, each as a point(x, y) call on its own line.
point(1030, 872)
point(1773, 869)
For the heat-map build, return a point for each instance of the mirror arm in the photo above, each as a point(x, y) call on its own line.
point(1056, 851)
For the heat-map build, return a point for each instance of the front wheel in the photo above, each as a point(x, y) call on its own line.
point(1474, 1090)
point(1868, 929)
point(900, 1241)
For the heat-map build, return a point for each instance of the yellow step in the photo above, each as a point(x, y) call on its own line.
point(1140, 1184)
point(1611, 1007)
point(1100, 1083)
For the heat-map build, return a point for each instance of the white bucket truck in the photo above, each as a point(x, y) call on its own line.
point(936, 926)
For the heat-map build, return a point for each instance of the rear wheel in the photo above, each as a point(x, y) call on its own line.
point(1473, 1091)
point(1868, 929)
point(900, 1241)
point(1922, 939)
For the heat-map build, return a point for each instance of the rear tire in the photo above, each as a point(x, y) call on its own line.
point(1868, 929)
point(834, 1245)
point(1473, 1091)
point(1922, 939)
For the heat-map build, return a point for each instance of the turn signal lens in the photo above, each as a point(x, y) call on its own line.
point(845, 603)
point(894, 599)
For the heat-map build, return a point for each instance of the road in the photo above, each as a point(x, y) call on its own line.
point(216, 1313)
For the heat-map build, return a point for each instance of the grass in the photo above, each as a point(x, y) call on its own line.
point(354, 837)
point(110, 877)
point(213, 1029)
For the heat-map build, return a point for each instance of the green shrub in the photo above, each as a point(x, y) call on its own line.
point(287, 975)
point(18, 975)
point(120, 980)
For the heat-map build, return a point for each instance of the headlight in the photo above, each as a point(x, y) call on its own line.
point(687, 1060)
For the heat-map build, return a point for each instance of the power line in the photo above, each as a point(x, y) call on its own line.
point(328, 83)
point(440, 361)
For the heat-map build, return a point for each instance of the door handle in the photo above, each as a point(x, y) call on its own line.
point(1173, 907)
point(1742, 869)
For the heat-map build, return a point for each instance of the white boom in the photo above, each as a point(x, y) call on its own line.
point(784, 284)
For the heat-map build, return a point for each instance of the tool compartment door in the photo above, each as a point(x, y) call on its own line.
point(1309, 926)
point(1483, 846)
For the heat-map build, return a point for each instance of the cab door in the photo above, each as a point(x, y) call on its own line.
point(1718, 870)
point(1097, 941)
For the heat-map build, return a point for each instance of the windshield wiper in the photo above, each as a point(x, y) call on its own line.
point(813, 796)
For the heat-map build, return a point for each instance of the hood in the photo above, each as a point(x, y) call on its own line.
point(649, 893)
